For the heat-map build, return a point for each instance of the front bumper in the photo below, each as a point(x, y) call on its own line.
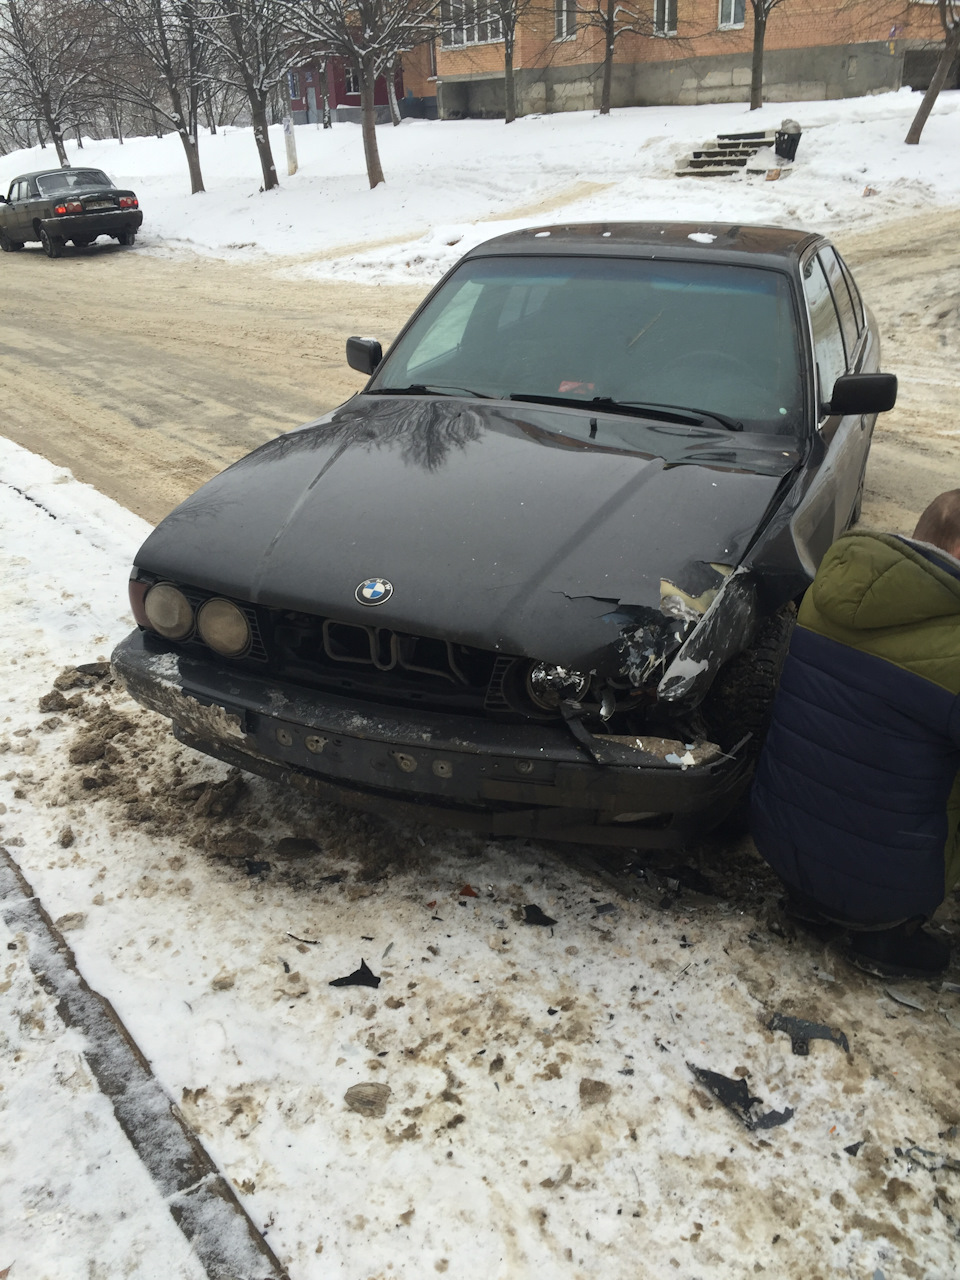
point(455, 771)
point(109, 222)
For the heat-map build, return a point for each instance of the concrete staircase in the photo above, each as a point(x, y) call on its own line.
point(728, 153)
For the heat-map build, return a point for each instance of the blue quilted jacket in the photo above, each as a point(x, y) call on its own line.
point(856, 801)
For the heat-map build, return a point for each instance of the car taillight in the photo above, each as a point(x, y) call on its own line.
point(129, 202)
point(71, 206)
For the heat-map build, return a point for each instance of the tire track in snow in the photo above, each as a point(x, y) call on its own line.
point(199, 1198)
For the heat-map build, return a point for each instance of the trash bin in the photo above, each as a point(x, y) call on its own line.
point(788, 139)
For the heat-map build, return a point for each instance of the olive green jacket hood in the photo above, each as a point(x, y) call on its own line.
point(882, 595)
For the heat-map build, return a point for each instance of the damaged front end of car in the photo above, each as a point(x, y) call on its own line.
point(503, 744)
point(549, 670)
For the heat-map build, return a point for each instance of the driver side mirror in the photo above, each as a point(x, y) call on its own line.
point(864, 393)
point(364, 354)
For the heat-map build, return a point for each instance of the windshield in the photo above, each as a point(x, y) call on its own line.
point(52, 184)
point(695, 335)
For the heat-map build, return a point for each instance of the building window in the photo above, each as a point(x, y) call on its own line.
point(294, 84)
point(565, 19)
point(469, 22)
point(351, 81)
point(665, 17)
point(731, 13)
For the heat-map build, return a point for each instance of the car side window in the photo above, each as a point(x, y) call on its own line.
point(15, 190)
point(827, 337)
point(854, 294)
point(841, 296)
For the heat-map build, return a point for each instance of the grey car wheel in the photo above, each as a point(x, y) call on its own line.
point(127, 237)
point(7, 245)
point(52, 245)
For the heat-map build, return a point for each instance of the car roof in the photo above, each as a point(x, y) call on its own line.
point(727, 242)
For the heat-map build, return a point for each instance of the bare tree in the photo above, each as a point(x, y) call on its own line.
point(761, 15)
point(613, 19)
point(950, 20)
point(369, 36)
point(47, 49)
point(162, 69)
point(255, 53)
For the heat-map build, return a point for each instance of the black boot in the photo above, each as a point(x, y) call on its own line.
point(904, 951)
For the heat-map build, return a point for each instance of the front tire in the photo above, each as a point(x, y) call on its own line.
point(52, 245)
point(7, 245)
point(740, 701)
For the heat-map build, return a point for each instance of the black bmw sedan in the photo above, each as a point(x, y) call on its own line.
point(538, 577)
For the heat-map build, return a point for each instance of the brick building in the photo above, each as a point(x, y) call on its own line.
point(696, 51)
point(306, 84)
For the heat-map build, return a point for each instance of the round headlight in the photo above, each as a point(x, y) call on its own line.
point(224, 627)
point(168, 611)
point(548, 686)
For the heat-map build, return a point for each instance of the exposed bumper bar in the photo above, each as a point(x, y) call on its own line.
point(427, 767)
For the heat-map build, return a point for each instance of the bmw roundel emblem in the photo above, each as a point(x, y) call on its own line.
point(374, 591)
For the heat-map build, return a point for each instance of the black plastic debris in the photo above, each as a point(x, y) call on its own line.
point(736, 1097)
point(932, 1161)
point(533, 915)
point(254, 868)
point(606, 909)
point(362, 977)
point(801, 1032)
point(854, 1148)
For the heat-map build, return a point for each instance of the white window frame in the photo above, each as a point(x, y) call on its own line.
point(730, 23)
point(665, 17)
point(469, 22)
point(564, 19)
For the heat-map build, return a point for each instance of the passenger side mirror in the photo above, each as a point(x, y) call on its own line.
point(856, 393)
point(364, 354)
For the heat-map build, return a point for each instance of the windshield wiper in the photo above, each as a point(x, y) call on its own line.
point(429, 389)
point(685, 417)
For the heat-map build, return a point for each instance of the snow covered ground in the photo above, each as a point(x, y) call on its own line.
point(531, 1105)
point(453, 183)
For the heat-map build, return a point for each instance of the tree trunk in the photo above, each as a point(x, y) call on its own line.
point(209, 113)
point(261, 136)
point(392, 94)
point(610, 40)
point(368, 116)
point(325, 91)
point(79, 139)
point(509, 81)
point(756, 72)
point(55, 133)
point(192, 152)
point(949, 56)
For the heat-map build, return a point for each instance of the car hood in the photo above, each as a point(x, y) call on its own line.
point(499, 525)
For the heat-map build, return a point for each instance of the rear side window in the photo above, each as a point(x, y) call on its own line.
point(841, 296)
point(854, 294)
point(827, 337)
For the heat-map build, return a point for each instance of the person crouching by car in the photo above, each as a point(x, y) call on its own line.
point(856, 803)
